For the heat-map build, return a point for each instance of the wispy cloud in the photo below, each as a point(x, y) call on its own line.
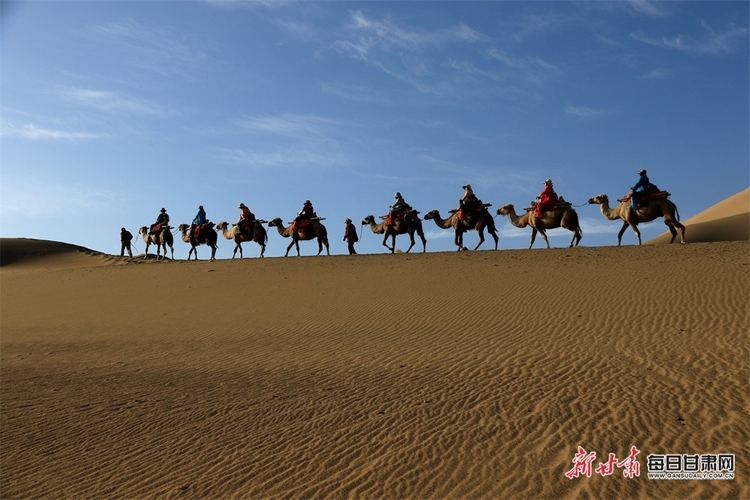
point(287, 140)
point(287, 124)
point(32, 199)
point(657, 74)
point(111, 101)
point(584, 112)
point(152, 49)
point(400, 52)
point(34, 133)
point(712, 43)
point(646, 7)
point(531, 68)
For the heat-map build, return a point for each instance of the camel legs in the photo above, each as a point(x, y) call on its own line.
point(237, 246)
point(294, 242)
point(392, 248)
point(672, 224)
point(576, 238)
point(424, 241)
point(625, 225)
point(411, 238)
point(459, 240)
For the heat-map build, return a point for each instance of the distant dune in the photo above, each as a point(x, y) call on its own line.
point(728, 220)
point(437, 375)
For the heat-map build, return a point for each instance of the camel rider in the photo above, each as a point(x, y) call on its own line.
point(546, 200)
point(199, 219)
point(246, 218)
point(306, 212)
point(397, 209)
point(641, 187)
point(162, 218)
point(468, 202)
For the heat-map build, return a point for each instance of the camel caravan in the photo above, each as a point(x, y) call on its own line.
point(644, 203)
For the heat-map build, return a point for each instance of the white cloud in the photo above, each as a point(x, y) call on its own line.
point(712, 43)
point(32, 199)
point(584, 112)
point(32, 132)
point(111, 101)
point(152, 49)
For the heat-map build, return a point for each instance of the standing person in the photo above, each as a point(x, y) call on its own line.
point(640, 188)
point(547, 199)
point(125, 238)
point(350, 236)
point(199, 219)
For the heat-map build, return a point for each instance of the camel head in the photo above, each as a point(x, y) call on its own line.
point(505, 209)
point(275, 223)
point(602, 198)
point(221, 226)
point(143, 230)
point(370, 219)
point(183, 227)
point(431, 215)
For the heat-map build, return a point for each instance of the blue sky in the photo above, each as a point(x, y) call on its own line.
point(111, 110)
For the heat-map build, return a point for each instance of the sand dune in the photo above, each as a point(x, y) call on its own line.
point(728, 220)
point(439, 375)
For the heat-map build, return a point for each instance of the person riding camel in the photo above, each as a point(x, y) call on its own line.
point(397, 210)
point(641, 187)
point(468, 202)
point(161, 220)
point(546, 200)
point(199, 219)
point(246, 218)
point(302, 216)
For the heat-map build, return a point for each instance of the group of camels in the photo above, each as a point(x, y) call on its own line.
point(564, 216)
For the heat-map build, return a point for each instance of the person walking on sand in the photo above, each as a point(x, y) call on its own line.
point(350, 236)
point(125, 238)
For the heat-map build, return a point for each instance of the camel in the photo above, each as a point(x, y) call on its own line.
point(163, 238)
point(660, 207)
point(408, 224)
point(313, 230)
point(551, 219)
point(208, 236)
point(478, 222)
point(259, 236)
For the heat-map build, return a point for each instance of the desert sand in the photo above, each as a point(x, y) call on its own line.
point(438, 375)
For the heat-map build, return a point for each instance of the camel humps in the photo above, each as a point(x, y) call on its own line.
point(408, 224)
point(161, 239)
point(207, 236)
point(313, 230)
point(660, 207)
point(478, 221)
point(258, 235)
point(559, 217)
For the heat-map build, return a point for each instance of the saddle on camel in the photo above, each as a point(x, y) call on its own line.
point(469, 205)
point(646, 196)
point(304, 217)
point(397, 211)
point(199, 234)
